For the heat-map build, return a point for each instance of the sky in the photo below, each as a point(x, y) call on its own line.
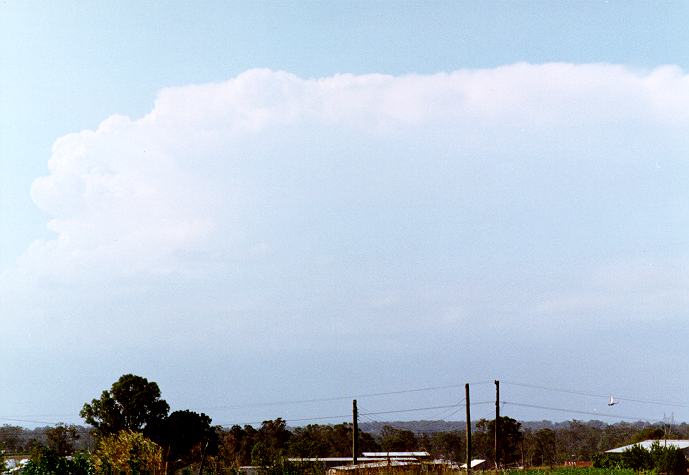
point(270, 208)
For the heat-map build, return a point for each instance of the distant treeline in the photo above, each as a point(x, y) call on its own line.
point(131, 429)
point(21, 440)
point(529, 443)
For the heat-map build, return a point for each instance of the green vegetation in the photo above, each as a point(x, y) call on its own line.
point(134, 432)
point(574, 471)
point(660, 459)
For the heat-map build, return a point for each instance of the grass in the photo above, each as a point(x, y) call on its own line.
point(574, 471)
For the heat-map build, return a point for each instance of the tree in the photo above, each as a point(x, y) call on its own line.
point(236, 444)
point(509, 441)
point(45, 461)
point(397, 440)
point(184, 431)
point(127, 452)
point(314, 440)
point(646, 433)
point(61, 439)
point(448, 445)
point(133, 403)
point(541, 447)
point(270, 442)
point(11, 438)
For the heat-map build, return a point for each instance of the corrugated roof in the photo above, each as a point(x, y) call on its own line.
point(647, 444)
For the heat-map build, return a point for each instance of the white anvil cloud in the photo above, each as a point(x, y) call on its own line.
point(135, 194)
point(408, 220)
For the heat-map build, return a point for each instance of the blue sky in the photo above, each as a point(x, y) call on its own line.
point(255, 202)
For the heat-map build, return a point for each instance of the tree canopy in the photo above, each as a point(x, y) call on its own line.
point(133, 403)
point(185, 432)
point(127, 452)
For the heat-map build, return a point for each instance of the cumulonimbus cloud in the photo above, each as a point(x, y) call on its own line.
point(146, 194)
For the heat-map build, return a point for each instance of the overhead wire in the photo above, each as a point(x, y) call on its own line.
point(597, 395)
point(448, 410)
point(340, 398)
point(576, 411)
point(274, 403)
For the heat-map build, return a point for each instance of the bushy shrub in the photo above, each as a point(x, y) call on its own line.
point(659, 459)
point(128, 452)
point(669, 460)
point(606, 461)
point(637, 458)
point(46, 461)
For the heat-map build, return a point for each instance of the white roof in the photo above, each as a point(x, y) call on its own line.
point(396, 454)
point(474, 463)
point(377, 464)
point(347, 459)
point(647, 444)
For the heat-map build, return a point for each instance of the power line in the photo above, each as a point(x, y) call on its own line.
point(575, 411)
point(276, 403)
point(456, 406)
point(425, 408)
point(598, 395)
point(339, 398)
point(29, 421)
point(396, 411)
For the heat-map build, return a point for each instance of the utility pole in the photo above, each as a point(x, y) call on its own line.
point(497, 424)
point(355, 432)
point(203, 457)
point(466, 398)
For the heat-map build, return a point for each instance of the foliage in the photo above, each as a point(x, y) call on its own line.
point(186, 435)
point(270, 442)
point(61, 439)
point(661, 459)
point(133, 403)
point(45, 461)
point(510, 438)
point(573, 471)
point(647, 433)
point(315, 440)
point(397, 440)
point(127, 452)
point(669, 460)
point(446, 445)
point(540, 447)
point(236, 445)
point(637, 458)
point(606, 461)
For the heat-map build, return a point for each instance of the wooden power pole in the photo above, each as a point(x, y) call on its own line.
point(497, 424)
point(355, 432)
point(466, 398)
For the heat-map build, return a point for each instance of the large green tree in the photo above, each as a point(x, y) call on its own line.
point(510, 438)
point(132, 403)
point(127, 452)
point(61, 438)
point(187, 436)
point(397, 440)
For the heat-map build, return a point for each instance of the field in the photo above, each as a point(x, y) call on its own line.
point(572, 471)
point(533, 471)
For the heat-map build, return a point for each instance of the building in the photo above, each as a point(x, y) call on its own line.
point(682, 444)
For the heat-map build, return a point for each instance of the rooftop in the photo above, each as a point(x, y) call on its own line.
point(647, 444)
